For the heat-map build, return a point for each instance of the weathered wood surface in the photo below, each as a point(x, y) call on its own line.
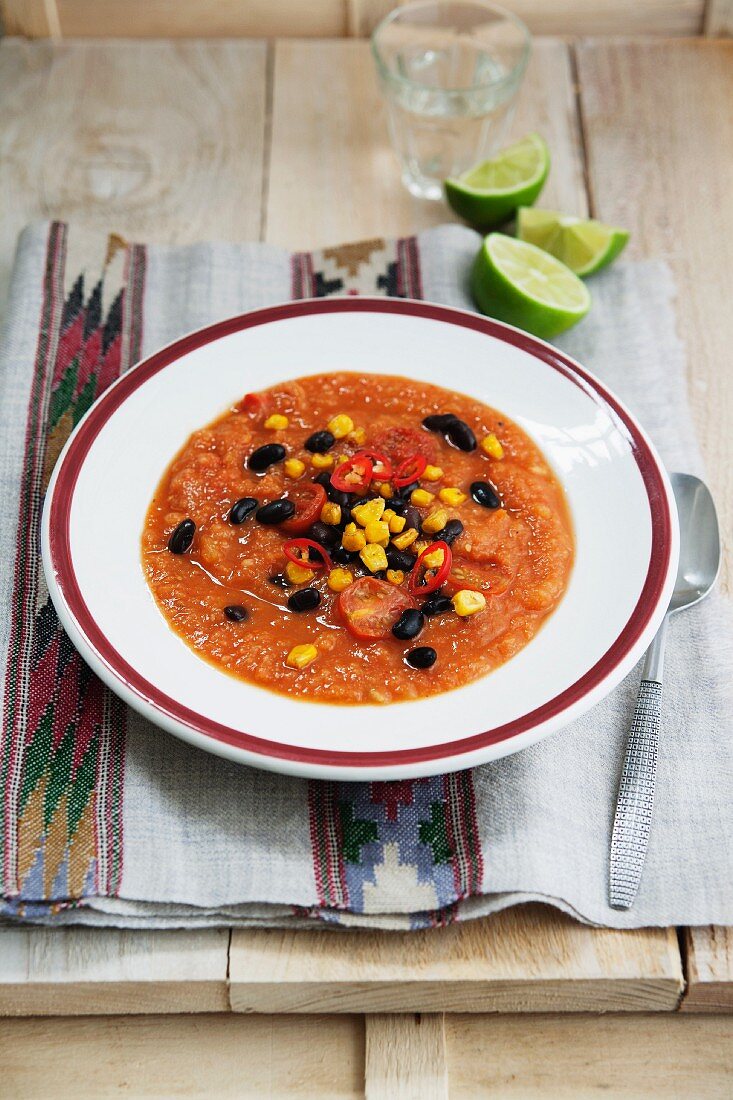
point(405, 1058)
point(709, 954)
point(529, 959)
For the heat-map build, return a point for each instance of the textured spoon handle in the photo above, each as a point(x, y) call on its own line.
point(635, 798)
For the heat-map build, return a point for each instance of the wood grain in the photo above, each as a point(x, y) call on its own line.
point(34, 18)
point(528, 959)
point(405, 1058)
point(197, 1057)
point(709, 953)
point(575, 1058)
point(332, 174)
point(681, 156)
point(80, 971)
point(158, 141)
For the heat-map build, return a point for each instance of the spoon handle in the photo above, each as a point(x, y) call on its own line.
point(635, 798)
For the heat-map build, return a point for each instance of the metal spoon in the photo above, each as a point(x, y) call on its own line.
point(696, 574)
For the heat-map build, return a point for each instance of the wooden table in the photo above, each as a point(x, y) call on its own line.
point(286, 142)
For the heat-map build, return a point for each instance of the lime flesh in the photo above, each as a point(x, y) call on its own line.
point(491, 192)
point(583, 244)
point(521, 284)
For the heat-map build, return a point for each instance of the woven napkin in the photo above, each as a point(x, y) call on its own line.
point(108, 820)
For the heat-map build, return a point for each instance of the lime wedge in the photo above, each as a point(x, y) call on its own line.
point(524, 286)
point(489, 193)
point(583, 244)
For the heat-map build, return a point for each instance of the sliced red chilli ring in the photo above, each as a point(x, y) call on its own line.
point(425, 579)
point(381, 464)
point(304, 559)
point(354, 475)
point(409, 470)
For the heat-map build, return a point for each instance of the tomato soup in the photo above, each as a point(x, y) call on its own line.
point(358, 539)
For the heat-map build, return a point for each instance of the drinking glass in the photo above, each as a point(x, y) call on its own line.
point(450, 71)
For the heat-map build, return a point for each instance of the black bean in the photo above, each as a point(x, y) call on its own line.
point(380, 575)
point(181, 539)
point(236, 613)
point(409, 624)
point(266, 456)
point(405, 490)
point(305, 599)
point(450, 532)
point(342, 556)
point(325, 534)
point(241, 509)
point(323, 479)
point(398, 505)
point(320, 442)
point(424, 656)
point(400, 559)
point(439, 422)
point(484, 493)
point(412, 518)
point(460, 435)
point(279, 580)
point(277, 511)
point(436, 605)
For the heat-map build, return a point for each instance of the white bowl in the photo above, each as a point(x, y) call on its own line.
point(621, 503)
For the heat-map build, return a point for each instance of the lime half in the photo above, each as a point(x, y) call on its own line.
point(524, 286)
point(583, 244)
point(488, 194)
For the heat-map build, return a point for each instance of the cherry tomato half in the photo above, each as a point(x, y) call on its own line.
point(256, 404)
point(308, 498)
point(371, 607)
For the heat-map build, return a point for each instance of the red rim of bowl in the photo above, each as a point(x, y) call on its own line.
point(67, 473)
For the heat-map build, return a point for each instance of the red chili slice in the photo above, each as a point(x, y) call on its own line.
point(359, 465)
point(377, 458)
point(291, 547)
point(415, 585)
point(409, 470)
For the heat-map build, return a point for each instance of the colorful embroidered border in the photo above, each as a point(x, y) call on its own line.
point(62, 749)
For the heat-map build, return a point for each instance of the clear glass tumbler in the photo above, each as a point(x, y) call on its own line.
point(450, 71)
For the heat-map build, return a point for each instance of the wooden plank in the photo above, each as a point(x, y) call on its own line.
point(644, 1058)
point(327, 18)
point(82, 971)
point(528, 959)
point(332, 174)
point(34, 18)
point(197, 1057)
point(158, 141)
point(642, 128)
point(405, 1058)
point(709, 954)
point(718, 17)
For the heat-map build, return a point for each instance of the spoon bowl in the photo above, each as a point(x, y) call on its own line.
point(700, 552)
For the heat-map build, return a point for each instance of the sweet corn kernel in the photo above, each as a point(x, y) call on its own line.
point(298, 574)
point(377, 532)
point(369, 512)
point(468, 602)
point(385, 490)
point(374, 557)
point(406, 538)
point(301, 656)
point(277, 422)
point(340, 426)
point(358, 436)
point(331, 513)
point(434, 560)
point(431, 473)
point(322, 462)
point(395, 576)
point(339, 579)
point(421, 497)
point(419, 546)
point(491, 446)
point(396, 523)
point(435, 521)
point(294, 468)
point(353, 538)
point(387, 515)
point(452, 496)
